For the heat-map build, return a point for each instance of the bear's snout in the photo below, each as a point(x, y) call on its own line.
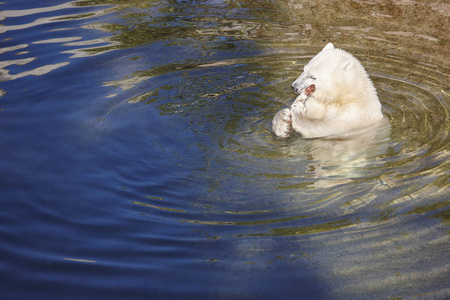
point(296, 89)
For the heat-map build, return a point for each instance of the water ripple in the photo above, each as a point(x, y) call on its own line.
point(375, 169)
point(142, 154)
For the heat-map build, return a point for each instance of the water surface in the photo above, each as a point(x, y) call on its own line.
point(137, 159)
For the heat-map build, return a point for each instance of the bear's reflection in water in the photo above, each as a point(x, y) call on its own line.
point(341, 159)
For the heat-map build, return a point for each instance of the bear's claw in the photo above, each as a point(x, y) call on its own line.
point(281, 124)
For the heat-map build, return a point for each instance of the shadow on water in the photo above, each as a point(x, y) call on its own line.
point(137, 146)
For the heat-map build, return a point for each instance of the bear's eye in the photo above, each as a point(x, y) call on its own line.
point(313, 77)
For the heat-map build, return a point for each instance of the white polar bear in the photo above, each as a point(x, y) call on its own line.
point(336, 97)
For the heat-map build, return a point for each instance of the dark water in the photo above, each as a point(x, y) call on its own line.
point(137, 162)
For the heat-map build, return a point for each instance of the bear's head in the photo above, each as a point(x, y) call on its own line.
point(337, 76)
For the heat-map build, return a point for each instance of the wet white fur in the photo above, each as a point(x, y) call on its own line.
point(345, 99)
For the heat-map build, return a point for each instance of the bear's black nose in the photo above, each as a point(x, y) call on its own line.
point(294, 88)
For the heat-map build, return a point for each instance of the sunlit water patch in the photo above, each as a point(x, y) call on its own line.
point(139, 161)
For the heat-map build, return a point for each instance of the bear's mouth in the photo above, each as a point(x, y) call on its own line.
point(309, 90)
point(305, 93)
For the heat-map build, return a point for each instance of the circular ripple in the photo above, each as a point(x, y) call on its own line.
point(299, 186)
point(354, 210)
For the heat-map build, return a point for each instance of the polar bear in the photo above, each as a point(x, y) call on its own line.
point(336, 97)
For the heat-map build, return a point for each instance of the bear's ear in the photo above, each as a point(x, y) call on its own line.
point(348, 65)
point(329, 46)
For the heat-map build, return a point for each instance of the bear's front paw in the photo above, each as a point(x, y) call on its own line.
point(281, 123)
point(299, 108)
